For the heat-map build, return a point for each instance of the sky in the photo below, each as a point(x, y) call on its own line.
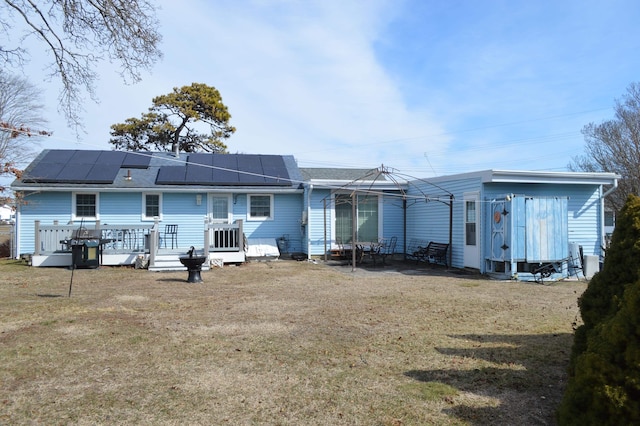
point(422, 87)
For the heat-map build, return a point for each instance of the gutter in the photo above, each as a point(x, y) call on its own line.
point(609, 191)
point(190, 189)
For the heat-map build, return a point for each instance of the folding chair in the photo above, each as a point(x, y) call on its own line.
point(171, 232)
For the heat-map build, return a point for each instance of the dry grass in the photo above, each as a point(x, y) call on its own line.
point(280, 343)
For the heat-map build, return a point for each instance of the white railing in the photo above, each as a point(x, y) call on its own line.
point(116, 238)
point(224, 237)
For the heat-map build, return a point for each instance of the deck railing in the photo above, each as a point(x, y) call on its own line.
point(142, 239)
point(224, 237)
point(116, 238)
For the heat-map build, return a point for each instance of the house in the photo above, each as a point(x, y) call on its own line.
point(212, 200)
point(516, 224)
point(510, 224)
point(7, 214)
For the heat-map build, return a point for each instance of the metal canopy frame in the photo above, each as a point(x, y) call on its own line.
point(366, 185)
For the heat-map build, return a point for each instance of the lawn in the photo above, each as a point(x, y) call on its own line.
point(281, 343)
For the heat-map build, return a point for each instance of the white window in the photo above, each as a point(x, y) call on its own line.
point(470, 223)
point(260, 207)
point(151, 206)
point(609, 218)
point(85, 206)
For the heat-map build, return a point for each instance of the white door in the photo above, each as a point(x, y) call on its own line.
point(471, 230)
point(219, 211)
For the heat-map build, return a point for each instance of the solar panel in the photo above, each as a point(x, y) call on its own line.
point(136, 160)
point(73, 173)
point(43, 172)
point(58, 156)
point(111, 157)
point(275, 170)
point(85, 157)
point(252, 168)
point(102, 173)
point(83, 166)
point(225, 169)
point(171, 175)
point(198, 174)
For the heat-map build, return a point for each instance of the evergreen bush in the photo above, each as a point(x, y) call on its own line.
point(604, 373)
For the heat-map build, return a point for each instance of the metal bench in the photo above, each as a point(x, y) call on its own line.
point(433, 253)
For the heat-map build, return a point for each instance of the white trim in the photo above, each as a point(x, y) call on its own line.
point(74, 195)
point(143, 214)
point(472, 254)
point(260, 218)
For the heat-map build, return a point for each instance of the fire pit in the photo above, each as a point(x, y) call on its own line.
point(194, 265)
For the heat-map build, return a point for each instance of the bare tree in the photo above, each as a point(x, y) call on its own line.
point(614, 146)
point(77, 35)
point(20, 122)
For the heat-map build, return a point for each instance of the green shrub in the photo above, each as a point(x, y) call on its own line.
point(604, 374)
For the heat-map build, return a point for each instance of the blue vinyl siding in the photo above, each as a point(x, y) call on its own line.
point(429, 221)
point(393, 220)
point(316, 222)
point(180, 208)
point(286, 219)
point(390, 212)
point(46, 207)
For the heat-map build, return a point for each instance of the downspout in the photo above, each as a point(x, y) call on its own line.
point(602, 197)
point(308, 224)
point(16, 232)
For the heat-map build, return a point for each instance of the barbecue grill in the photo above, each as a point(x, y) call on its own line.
point(86, 247)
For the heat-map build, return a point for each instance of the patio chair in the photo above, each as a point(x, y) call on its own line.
point(171, 232)
point(384, 249)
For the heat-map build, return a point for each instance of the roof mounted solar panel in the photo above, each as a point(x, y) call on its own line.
point(84, 157)
point(250, 170)
point(136, 160)
point(58, 156)
point(275, 170)
point(74, 173)
point(111, 157)
point(102, 173)
point(225, 169)
point(43, 172)
point(198, 174)
point(171, 175)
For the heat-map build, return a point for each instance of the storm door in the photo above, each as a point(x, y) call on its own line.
point(366, 215)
